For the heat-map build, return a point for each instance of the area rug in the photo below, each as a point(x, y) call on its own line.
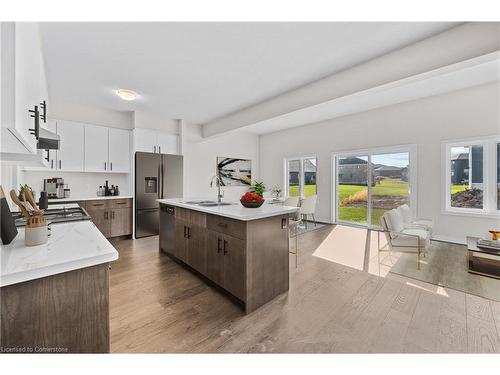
point(446, 265)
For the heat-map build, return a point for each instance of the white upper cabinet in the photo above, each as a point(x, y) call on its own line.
point(22, 79)
point(167, 143)
point(70, 153)
point(146, 140)
point(119, 150)
point(96, 149)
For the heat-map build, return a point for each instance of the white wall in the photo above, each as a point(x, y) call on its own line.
point(426, 122)
point(200, 160)
point(81, 184)
point(63, 110)
point(148, 120)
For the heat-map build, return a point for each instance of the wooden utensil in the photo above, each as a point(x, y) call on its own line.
point(17, 201)
point(31, 200)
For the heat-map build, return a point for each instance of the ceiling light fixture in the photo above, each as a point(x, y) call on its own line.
point(126, 94)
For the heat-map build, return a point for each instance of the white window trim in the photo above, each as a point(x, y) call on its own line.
point(489, 144)
point(301, 174)
point(412, 178)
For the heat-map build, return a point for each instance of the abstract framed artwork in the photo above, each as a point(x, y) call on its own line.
point(234, 171)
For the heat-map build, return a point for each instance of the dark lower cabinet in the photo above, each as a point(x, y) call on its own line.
point(112, 217)
point(215, 261)
point(248, 259)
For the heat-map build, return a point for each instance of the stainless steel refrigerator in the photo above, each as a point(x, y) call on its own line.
point(157, 176)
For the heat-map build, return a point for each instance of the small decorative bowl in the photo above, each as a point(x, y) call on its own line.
point(251, 204)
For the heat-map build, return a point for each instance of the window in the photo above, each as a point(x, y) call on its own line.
point(472, 176)
point(301, 175)
point(369, 183)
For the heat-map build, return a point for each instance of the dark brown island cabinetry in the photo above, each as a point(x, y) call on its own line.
point(113, 217)
point(248, 259)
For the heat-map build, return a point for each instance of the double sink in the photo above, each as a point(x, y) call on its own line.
point(207, 203)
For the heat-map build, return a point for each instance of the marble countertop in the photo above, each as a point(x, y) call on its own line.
point(71, 246)
point(91, 198)
point(235, 210)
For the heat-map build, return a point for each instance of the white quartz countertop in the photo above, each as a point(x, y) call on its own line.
point(71, 246)
point(92, 198)
point(235, 210)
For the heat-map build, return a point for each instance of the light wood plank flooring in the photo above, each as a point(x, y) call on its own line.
point(158, 306)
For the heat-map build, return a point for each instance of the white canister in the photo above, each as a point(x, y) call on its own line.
point(36, 235)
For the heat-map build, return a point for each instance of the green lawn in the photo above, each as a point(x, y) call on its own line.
point(387, 187)
point(308, 190)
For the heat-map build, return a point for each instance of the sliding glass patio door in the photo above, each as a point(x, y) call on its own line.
point(369, 184)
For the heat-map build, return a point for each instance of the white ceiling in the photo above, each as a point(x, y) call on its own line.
point(203, 71)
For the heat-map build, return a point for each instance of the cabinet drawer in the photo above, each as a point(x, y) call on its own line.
point(232, 227)
point(120, 203)
point(89, 205)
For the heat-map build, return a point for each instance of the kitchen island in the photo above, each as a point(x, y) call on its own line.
point(55, 296)
point(243, 251)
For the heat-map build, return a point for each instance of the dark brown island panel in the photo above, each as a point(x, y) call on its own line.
point(247, 259)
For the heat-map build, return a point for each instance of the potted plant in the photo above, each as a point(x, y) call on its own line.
point(276, 190)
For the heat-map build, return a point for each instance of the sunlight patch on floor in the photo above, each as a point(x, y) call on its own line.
point(344, 245)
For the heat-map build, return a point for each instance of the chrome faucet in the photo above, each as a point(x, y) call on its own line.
point(218, 181)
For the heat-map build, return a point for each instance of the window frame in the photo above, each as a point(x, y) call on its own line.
point(489, 144)
point(301, 174)
point(411, 149)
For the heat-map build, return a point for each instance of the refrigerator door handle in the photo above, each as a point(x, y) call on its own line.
point(158, 183)
point(162, 172)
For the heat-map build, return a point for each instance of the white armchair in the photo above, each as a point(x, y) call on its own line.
point(411, 222)
point(403, 237)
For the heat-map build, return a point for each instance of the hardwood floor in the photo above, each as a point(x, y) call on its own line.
point(158, 306)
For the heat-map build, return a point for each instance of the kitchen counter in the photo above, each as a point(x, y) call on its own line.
point(71, 246)
point(92, 198)
point(235, 210)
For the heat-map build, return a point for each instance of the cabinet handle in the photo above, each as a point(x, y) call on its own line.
point(60, 164)
point(52, 164)
point(219, 244)
point(159, 149)
point(188, 232)
point(185, 231)
point(113, 215)
point(104, 165)
point(121, 203)
point(222, 225)
point(111, 165)
point(225, 244)
point(154, 148)
point(105, 215)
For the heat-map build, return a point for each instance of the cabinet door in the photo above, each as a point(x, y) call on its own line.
point(120, 221)
point(234, 266)
point(28, 65)
point(145, 140)
point(100, 217)
point(96, 148)
point(167, 143)
point(70, 153)
point(180, 251)
point(215, 258)
point(196, 250)
point(119, 150)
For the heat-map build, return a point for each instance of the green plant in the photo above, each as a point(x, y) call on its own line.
point(276, 189)
point(258, 187)
point(21, 191)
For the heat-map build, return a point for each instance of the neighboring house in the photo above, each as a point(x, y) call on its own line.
point(463, 163)
point(389, 171)
point(353, 171)
point(309, 173)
